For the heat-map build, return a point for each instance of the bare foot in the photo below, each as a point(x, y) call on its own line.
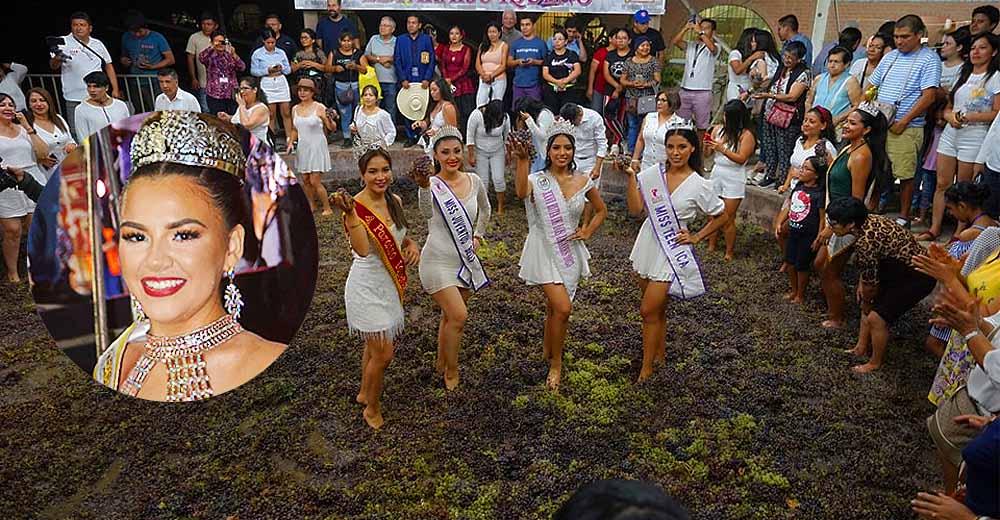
point(857, 351)
point(451, 380)
point(798, 300)
point(659, 359)
point(439, 366)
point(644, 374)
point(373, 417)
point(327, 212)
point(728, 258)
point(864, 369)
point(783, 268)
point(832, 324)
point(361, 399)
point(711, 247)
point(552, 381)
point(787, 296)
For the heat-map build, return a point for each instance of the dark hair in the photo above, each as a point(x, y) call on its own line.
point(134, 20)
point(850, 37)
point(930, 124)
point(312, 34)
point(225, 189)
point(53, 111)
point(548, 146)
point(796, 48)
point(446, 95)
point(829, 133)
point(820, 165)
point(963, 39)
point(710, 21)
point(765, 42)
point(673, 98)
point(347, 34)
point(485, 45)
point(911, 22)
point(80, 15)
point(217, 33)
point(395, 209)
point(881, 174)
point(266, 33)
point(493, 115)
point(4, 95)
point(847, 210)
point(844, 53)
point(696, 162)
point(990, 11)
point(743, 43)
point(98, 78)
point(972, 194)
point(887, 41)
point(207, 15)
point(574, 23)
point(736, 118)
point(615, 32)
point(254, 82)
point(789, 20)
point(532, 106)
point(570, 111)
point(167, 71)
point(991, 66)
point(621, 500)
point(272, 15)
point(525, 16)
point(372, 88)
point(887, 28)
point(562, 32)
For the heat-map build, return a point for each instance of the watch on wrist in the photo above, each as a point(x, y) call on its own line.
point(969, 336)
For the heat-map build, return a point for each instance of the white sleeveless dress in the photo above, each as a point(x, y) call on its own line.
point(437, 122)
point(57, 141)
point(653, 133)
point(439, 260)
point(313, 152)
point(18, 153)
point(696, 194)
point(537, 265)
point(370, 296)
point(259, 131)
point(729, 178)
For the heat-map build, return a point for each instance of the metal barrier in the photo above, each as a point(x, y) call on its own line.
point(139, 92)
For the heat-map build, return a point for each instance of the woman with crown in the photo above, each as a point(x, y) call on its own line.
point(459, 210)
point(373, 295)
point(670, 193)
point(554, 254)
point(184, 214)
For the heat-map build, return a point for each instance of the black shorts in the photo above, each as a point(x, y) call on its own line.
point(798, 250)
point(900, 288)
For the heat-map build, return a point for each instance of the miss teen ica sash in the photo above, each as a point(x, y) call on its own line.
point(460, 225)
point(386, 245)
point(551, 207)
point(688, 282)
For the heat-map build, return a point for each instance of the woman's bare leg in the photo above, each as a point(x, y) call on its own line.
point(556, 322)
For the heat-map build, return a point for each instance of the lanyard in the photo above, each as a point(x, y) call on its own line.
point(694, 64)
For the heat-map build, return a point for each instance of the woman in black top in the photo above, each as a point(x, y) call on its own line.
point(311, 62)
point(560, 71)
point(614, 66)
point(348, 63)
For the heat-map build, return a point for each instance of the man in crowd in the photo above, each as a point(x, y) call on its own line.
point(380, 50)
point(788, 31)
point(284, 41)
point(907, 78)
point(196, 43)
point(591, 145)
point(173, 97)
point(328, 29)
point(699, 71)
point(144, 52)
point(11, 76)
point(414, 61)
point(849, 38)
point(984, 19)
point(508, 30)
point(575, 42)
point(527, 55)
point(80, 56)
point(640, 27)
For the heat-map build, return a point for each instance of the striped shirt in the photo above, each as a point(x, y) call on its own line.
point(901, 78)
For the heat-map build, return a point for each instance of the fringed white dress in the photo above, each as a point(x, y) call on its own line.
point(374, 310)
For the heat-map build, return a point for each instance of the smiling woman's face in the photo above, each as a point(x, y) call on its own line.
point(174, 248)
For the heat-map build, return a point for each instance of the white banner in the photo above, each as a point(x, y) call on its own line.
point(655, 7)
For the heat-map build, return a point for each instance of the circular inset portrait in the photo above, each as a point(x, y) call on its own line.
point(173, 256)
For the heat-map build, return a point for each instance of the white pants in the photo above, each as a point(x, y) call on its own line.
point(483, 95)
point(490, 166)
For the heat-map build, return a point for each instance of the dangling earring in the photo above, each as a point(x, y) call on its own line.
point(233, 299)
point(137, 313)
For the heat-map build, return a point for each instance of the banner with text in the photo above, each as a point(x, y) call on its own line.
point(655, 7)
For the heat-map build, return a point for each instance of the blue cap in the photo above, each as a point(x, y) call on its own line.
point(642, 16)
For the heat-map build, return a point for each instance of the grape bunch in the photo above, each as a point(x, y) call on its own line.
point(421, 167)
point(521, 140)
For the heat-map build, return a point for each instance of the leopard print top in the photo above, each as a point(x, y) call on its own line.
point(882, 239)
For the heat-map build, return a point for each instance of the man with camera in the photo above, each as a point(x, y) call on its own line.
point(76, 55)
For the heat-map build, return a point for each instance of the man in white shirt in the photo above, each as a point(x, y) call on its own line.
point(699, 72)
point(11, 76)
point(80, 56)
point(173, 97)
point(196, 43)
point(99, 109)
point(591, 145)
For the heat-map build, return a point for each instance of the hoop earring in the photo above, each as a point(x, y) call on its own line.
point(137, 312)
point(233, 300)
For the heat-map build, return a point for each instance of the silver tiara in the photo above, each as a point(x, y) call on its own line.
point(869, 108)
point(368, 139)
point(188, 138)
point(680, 124)
point(446, 132)
point(560, 127)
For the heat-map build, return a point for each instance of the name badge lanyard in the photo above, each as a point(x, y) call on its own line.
point(697, 52)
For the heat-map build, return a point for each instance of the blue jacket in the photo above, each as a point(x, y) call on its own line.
point(414, 59)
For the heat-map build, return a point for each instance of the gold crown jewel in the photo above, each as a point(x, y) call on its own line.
point(680, 124)
point(446, 132)
point(560, 127)
point(869, 108)
point(368, 139)
point(188, 138)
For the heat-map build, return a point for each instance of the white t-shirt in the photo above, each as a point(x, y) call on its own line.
point(89, 118)
point(736, 80)
point(83, 62)
point(198, 42)
point(699, 66)
point(182, 101)
point(976, 94)
point(800, 154)
point(858, 69)
point(11, 84)
point(949, 75)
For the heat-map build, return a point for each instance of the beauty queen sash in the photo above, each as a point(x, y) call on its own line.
point(688, 282)
point(386, 244)
point(472, 273)
point(551, 207)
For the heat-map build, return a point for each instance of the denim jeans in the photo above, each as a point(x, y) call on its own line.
point(389, 91)
point(924, 185)
point(633, 129)
point(202, 97)
point(346, 111)
point(597, 102)
point(991, 178)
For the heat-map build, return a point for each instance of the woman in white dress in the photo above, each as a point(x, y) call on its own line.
point(732, 143)
point(251, 111)
point(649, 146)
point(373, 293)
point(369, 114)
point(690, 194)
point(310, 123)
point(51, 128)
point(270, 64)
point(441, 112)
point(20, 147)
point(441, 265)
point(554, 254)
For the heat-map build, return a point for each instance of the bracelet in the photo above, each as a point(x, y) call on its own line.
point(969, 336)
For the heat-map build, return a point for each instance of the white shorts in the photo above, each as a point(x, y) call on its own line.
point(729, 183)
point(962, 143)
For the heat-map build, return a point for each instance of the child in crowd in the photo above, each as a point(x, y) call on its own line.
point(804, 214)
point(926, 179)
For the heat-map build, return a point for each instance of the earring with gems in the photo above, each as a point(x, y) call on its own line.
point(233, 298)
